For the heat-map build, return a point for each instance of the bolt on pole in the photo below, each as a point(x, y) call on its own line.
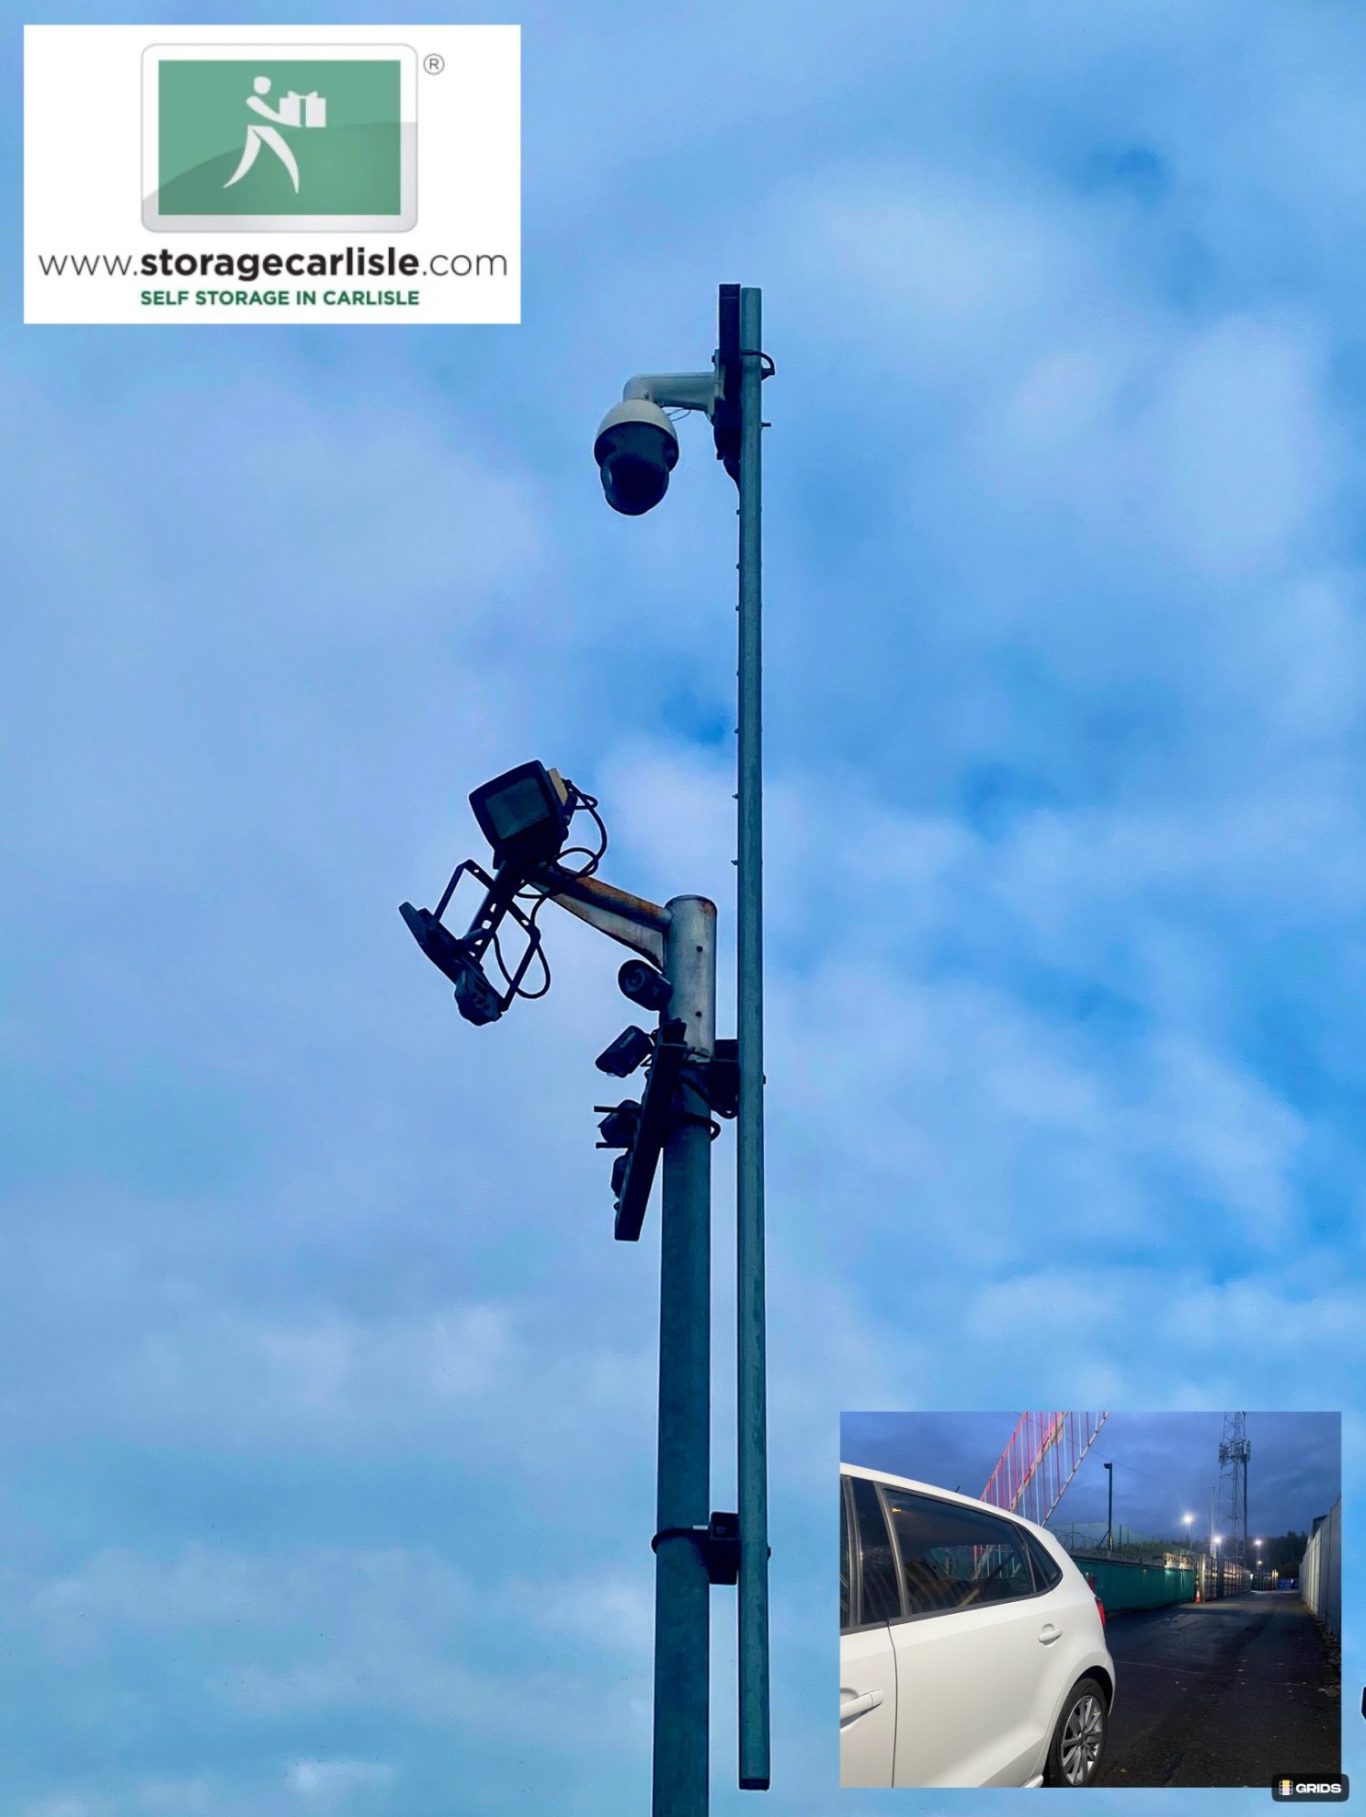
point(751, 1388)
point(682, 1581)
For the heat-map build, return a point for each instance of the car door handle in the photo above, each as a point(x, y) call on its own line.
point(859, 1706)
point(1048, 1634)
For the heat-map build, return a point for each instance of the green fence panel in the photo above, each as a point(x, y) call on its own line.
point(1122, 1583)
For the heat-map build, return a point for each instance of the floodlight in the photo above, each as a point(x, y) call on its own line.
point(475, 997)
point(524, 814)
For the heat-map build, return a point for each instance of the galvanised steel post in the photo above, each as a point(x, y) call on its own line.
point(751, 1389)
point(682, 1584)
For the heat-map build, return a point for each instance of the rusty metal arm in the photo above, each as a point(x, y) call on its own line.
point(628, 919)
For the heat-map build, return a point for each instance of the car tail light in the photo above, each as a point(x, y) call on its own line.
point(1101, 1606)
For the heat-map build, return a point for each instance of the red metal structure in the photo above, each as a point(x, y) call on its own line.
point(1044, 1453)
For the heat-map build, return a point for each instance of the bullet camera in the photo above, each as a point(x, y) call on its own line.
point(618, 1128)
point(636, 451)
point(631, 1049)
point(644, 985)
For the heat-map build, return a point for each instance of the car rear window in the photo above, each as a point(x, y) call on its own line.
point(1047, 1570)
point(954, 1558)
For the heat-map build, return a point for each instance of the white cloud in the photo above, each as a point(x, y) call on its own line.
point(333, 1780)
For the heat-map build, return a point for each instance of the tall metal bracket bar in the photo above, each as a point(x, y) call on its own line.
point(652, 1131)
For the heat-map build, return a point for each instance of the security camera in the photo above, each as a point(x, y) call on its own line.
point(631, 1049)
point(636, 451)
point(644, 985)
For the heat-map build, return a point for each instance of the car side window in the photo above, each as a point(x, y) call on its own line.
point(845, 1581)
point(954, 1558)
point(1047, 1570)
point(878, 1598)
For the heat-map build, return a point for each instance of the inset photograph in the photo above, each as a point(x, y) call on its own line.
point(1075, 1599)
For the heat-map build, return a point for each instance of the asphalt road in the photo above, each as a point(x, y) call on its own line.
point(1234, 1692)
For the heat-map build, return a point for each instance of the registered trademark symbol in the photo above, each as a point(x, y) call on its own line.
point(433, 63)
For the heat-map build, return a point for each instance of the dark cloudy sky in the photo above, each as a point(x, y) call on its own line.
point(1166, 1464)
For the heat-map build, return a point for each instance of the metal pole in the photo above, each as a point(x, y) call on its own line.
point(751, 1391)
point(1110, 1508)
point(682, 1586)
point(1246, 1465)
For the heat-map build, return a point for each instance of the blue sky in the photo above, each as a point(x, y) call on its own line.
point(328, 1401)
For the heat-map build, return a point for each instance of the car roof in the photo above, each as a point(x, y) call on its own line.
point(951, 1495)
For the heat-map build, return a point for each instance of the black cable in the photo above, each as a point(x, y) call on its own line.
point(538, 897)
point(520, 990)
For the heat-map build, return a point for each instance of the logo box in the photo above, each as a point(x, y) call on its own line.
point(1309, 1788)
point(281, 138)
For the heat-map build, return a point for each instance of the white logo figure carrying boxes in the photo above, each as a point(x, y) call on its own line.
point(308, 110)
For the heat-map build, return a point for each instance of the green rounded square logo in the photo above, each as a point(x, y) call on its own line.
point(235, 140)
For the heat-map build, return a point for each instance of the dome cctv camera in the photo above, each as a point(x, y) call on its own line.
point(636, 451)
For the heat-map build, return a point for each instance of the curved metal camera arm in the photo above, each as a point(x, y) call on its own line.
point(674, 390)
point(631, 920)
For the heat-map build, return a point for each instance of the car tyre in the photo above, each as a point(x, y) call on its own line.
point(1078, 1745)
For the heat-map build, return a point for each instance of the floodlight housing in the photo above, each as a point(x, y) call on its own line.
point(524, 814)
point(476, 998)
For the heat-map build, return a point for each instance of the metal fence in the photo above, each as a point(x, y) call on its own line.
point(1124, 1583)
point(1321, 1571)
point(1222, 1577)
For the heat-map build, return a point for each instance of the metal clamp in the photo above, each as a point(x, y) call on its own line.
point(718, 1545)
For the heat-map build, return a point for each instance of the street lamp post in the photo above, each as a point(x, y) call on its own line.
point(636, 450)
point(1109, 1507)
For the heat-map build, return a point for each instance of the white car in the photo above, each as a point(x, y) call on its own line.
point(972, 1649)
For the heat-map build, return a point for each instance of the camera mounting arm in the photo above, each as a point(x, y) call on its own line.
point(628, 919)
point(674, 390)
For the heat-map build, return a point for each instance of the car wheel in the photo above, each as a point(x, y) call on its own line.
point(1078, 1744)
